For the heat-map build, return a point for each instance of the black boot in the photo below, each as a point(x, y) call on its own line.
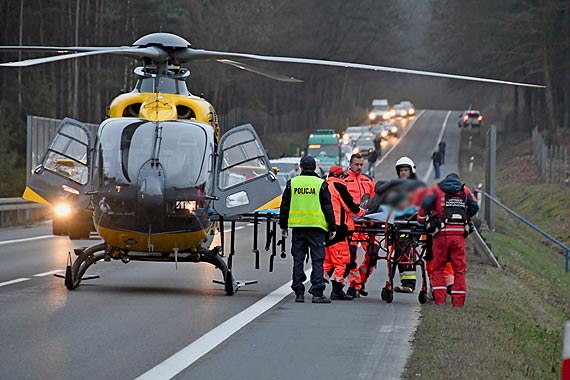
point(337, 292)
point(352, 292)
point(362, 291)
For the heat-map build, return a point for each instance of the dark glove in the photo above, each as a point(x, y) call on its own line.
point(469, 228)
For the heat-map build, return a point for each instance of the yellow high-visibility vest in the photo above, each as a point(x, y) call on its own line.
point(305, 210)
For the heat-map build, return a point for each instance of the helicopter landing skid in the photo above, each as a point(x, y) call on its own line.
point(89, 256)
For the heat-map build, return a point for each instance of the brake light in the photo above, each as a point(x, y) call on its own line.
point(480, 118)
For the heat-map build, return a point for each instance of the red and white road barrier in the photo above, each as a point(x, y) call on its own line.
point(566, 353)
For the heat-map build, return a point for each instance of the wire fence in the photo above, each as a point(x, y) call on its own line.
point(552, 160)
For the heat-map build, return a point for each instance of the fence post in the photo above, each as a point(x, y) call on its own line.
point(490, 174)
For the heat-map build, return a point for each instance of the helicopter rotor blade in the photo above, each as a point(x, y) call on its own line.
point(58, 49)
point(153, 53)
point(190, 54)
point(260, 71)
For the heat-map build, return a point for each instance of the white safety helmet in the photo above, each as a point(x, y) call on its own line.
point(405, 161)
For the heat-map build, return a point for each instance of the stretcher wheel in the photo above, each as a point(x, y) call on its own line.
point(387, 295)
point(422, 297)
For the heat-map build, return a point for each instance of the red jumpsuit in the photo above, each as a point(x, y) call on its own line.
point(449, 243)
point(358, 185)
point(337, 256)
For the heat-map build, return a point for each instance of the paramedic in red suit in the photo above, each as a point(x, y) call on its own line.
point(359, 186)
point(449, 202)
point(337, 257)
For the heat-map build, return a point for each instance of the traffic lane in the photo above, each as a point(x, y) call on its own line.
point(132, 318)
point(22, 232)
point(27, 258)
point(418, 144)
point(360, 339)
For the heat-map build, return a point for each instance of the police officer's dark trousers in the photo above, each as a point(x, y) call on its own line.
point(304, 238)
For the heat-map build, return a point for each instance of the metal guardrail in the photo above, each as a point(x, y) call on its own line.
point(483, 248)
point(17, 211)
point(533, 226)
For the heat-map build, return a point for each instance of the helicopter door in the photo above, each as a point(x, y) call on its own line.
point(63, 172)
point(244, 179)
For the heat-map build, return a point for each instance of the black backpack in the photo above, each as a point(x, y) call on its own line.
point(455, 207)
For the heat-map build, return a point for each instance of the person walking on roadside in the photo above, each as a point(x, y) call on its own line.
point(372, 158)
point(295, 171)
point(337, 256)
point(361, 187)
point(436, 160)
point(441, 147)
point(449, 205)
point(306, 207)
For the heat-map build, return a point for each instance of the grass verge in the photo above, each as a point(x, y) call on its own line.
point(511, 326)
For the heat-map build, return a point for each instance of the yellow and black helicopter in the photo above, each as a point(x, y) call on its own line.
point(159, 177)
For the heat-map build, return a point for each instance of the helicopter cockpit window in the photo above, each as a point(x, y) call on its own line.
point(183, 151)
point(67, 155)
point(184, 154)
point(165, 85)
point(242, 160)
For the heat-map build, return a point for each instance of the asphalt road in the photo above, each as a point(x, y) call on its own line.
point(144, 317)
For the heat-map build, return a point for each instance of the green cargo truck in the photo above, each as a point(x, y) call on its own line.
point(324, 145)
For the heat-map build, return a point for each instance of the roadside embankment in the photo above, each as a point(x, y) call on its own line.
point(511, 326)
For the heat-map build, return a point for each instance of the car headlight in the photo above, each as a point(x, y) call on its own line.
point(386, 115)
point(411, 111)
point(384, 133)
point(62, 210)
point(394, 129)
point(403, 113)
point(372, 116)
point(355, 150)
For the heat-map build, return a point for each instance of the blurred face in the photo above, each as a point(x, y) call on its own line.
point(405, 172)
point(296, 166)
point(356, 165)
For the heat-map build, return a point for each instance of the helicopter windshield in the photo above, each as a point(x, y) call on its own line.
point(184, 151)
point(165, 85)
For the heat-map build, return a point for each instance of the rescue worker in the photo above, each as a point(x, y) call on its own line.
point(406, 169)
point(306, 207)
point(361, 187)
point(337, 257)
point(450, 206)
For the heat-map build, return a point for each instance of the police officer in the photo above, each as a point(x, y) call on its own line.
point(306, 207)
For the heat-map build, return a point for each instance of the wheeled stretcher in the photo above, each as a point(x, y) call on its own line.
point(400, 243)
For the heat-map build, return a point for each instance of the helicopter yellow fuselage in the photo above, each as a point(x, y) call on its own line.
point(164, 107)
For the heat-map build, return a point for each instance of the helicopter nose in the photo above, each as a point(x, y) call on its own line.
point(150, 191)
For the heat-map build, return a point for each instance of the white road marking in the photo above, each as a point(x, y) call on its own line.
point(430, 169)
point(13, 281)
point(401, 137)
point(207, 342)
point(5, 242)
point(49, 273)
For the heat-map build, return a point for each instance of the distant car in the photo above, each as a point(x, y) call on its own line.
point(364, 143)
point(380, 110)
point(376, 129)
point(400, 111)
point(351, 134)
point(470, 118)
point(408, 106)
point(285, 165)
point(390, 129)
